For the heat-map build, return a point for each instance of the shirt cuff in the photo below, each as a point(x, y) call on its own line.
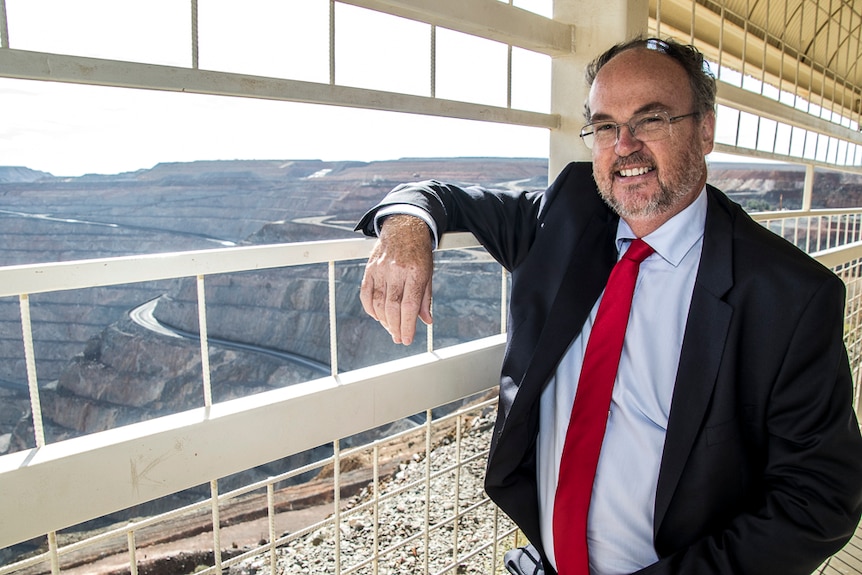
point(407, 210)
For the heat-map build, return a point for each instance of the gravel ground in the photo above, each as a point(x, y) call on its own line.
point(401, 542)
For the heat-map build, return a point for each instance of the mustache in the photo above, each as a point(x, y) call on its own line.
point(636, 159)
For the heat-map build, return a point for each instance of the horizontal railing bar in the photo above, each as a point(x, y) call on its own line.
point(57, 276)
point(839, 255)
point(776, 157)
point(488, 19)
point(116, 469)
point(27, 65)
point(40, 278)
point(817, 213)
point(751, 102)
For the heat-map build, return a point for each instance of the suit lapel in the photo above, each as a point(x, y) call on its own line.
point(580, 286)
point(703, 344)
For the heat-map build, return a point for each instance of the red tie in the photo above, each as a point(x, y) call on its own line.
point(589, 414)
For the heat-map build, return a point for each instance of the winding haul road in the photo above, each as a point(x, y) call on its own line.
point(143, 316)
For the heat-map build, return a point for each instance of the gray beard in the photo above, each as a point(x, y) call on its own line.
point(679, 184)
point(657, 205)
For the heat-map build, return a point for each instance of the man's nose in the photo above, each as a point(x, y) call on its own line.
point(626, 141)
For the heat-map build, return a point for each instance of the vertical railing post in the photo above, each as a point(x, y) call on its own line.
point(433, 64)
point(427, 534)
point(32, 380)
point(133, 560)
point(336, 502)
point(195, 59)
point(4, 26)
point(496, 539)
point(509, 77)
point(270, 511)
point(205, 353)
point(333, 335)
point(457, 515)
point(376, 494)
point(52, 550)
point(216, 525)
point(332, 42)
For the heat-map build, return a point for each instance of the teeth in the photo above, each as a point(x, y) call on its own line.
point(634, 172)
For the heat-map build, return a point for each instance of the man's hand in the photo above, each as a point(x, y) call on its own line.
point(396, 288)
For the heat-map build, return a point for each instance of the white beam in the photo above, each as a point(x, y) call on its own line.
point(840, 255)
point(57, 276)
point(489, 19)
point(751, 153)
point(27, 65)
point(748, 101)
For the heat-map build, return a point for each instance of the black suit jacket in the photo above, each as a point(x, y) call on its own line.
point(762, 465)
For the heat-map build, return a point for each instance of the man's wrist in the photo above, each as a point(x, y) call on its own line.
point(384, 214)
point(403, 226)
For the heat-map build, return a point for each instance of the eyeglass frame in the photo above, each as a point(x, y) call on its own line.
point(584, 134)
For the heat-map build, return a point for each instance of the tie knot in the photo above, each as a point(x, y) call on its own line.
point(638, 251)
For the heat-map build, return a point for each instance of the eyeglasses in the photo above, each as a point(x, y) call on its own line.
point(646, 127)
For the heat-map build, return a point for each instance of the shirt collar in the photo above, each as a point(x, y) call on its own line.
point(676, 236)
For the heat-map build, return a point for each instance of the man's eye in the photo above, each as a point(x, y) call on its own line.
point(650, 122)
point(599, 128)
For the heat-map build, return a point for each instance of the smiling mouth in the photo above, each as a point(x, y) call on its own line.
point(628, 173)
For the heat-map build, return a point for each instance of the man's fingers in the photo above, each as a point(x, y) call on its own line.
point(392, 313)
point(396, 306)
point(382, 301)
point(365, 295)
point(425, 308)
point(411, 306)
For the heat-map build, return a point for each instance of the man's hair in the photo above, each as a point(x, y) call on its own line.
point(700, 78)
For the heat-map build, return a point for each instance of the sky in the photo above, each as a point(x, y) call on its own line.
point(70, 130)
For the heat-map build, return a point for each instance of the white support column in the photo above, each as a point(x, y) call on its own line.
point(598, 24)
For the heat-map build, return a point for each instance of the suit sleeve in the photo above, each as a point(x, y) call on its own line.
point(810, 499)
point(504, 221)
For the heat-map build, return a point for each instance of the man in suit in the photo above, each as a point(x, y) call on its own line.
point(731, 446)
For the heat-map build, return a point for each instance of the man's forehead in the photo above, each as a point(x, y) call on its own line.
point(642, 62)
point(640, 79)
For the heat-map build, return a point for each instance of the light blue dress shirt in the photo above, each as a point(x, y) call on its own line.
point(620, 523)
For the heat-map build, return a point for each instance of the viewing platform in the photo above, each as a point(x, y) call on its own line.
point(346, 462)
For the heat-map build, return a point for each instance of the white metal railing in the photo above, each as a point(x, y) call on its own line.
point(119, 468)
point(815, 230)
point(435, 482)
point(58, 485)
